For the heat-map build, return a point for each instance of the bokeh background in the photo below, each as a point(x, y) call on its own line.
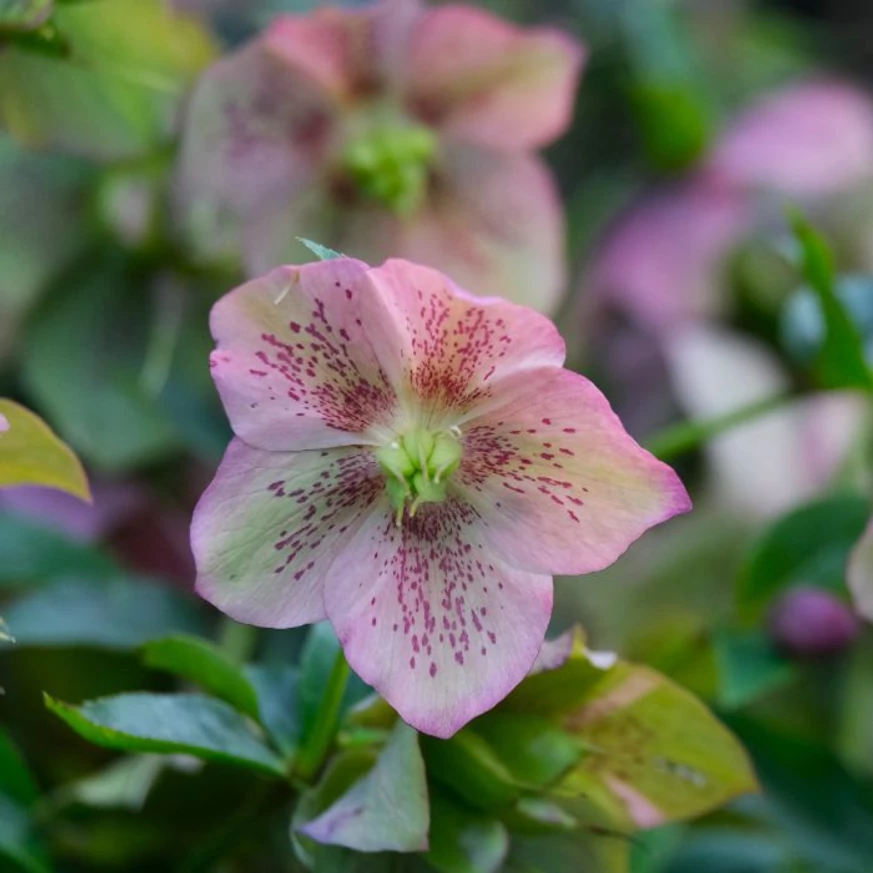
point(695, 125)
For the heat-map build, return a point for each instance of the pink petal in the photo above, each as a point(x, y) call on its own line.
point(442, 348)
point(494, 223)
point(4, 424)
point(434, 621)
point(809, 139)
point(347, 52)
point(486, 81)
point(860, 574)
point(661, 262)
point(293, 363)
point(559, 484)
point(266, 530)
point(257, 126)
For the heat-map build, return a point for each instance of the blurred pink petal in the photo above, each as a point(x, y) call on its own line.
point(486, 81)
point(662, 262)
point(112, 503)
point(781, 458)
point(811, 139)
point(325, 127)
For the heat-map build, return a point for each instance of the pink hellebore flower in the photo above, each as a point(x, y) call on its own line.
point(664, 268)
point(392, 129)
point(412, 463)
point(664, 263)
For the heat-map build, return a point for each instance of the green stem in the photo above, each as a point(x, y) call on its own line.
point(684, 437)
point(238, 641)
point(314, 748)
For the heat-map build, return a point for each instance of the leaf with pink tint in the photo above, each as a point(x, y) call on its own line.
point(860, 574)
point(486, 81)
point(266, 532)
point(660, 264)
point(433, 620)
point(293, 362)
point(387, 810)
point(31, 454)
point(559, 484)
point(445, 349)
point(765, 466)
point(654, 752)
point(809, 139)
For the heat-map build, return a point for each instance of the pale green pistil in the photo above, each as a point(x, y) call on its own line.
point(417, 468)
point(391, 164)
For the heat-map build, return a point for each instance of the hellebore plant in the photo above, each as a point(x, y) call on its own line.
point(412, 463)
point(395, 129)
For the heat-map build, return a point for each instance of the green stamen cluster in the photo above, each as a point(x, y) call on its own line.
point(417, 468)
point(390, 164)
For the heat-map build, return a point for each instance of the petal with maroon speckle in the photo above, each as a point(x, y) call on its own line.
point(267, 528)
point(293, 362)
point(484, 80)
point(559, 484)
point(257, 126)
point(433, 619)
point(444, 349)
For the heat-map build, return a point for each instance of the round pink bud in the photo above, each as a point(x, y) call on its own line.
point(811, 623)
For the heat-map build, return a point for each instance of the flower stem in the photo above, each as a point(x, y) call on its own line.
point(681, 438)
point(315, 746)
point(237, 640)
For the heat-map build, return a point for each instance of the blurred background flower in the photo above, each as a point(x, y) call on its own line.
point(622, 165)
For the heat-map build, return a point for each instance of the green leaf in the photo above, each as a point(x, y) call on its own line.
point(655, 748)
point(810, 545)
point(823, 810)
point(123, 784)
point(388, 809)
point(17, 844)
point(83, 359)
point(463, 840)
point(749, 667)
point(117, 614)
point(581, 852)
point(470, 767)
point(344, 769)
point(276, 687)
point(30, 454)
point(32, 553)
point(206, 665)
point(113, 84)
point(323, 253)
point(534, 750)
point(840, 362)
point(24, 14)
point(326, 690)
point(170, 724)
point(653, 751)
point(16, 781)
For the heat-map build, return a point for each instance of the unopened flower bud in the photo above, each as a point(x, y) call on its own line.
point(811, 623)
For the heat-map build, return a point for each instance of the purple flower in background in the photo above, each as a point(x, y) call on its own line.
point(664, 268)
point(395, 129)
point(811, 623)
point(412, 463)
point(664, 262)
